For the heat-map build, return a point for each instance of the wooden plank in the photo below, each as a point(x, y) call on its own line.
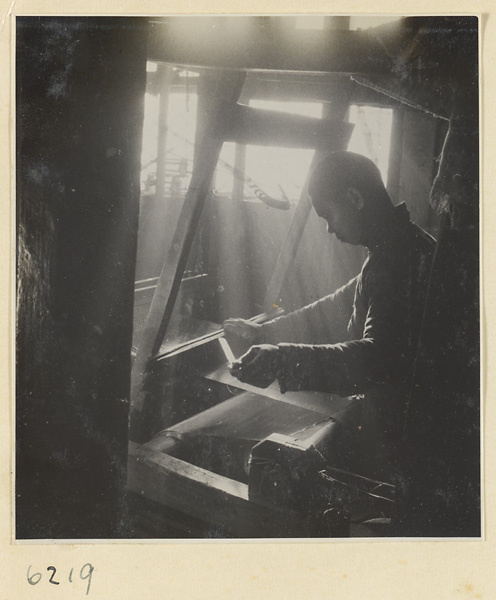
point(265, 46)
point(271, 128)
point(206, 496)
point(228, 88)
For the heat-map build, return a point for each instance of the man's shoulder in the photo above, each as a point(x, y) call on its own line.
point(409, 234)
point(413, 248)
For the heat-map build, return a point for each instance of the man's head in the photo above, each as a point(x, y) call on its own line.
point(346, 190)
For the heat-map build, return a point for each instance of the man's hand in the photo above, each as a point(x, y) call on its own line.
point(258, 366)
point(248, 330)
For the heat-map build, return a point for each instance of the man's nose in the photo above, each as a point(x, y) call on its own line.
point(330, 228)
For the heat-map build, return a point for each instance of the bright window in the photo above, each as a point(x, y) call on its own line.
point(372, 135)
point(279, 172)
point(180, 138)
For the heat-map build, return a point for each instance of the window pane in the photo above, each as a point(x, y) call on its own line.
point(372, 135)
point(280, 172)
point(159, 213)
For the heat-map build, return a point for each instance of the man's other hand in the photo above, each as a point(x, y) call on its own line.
point(248, 330)
point(258, 366)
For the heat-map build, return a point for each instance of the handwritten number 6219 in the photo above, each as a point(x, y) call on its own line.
point(85, 573)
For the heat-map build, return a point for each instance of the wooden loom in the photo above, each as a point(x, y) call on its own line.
point(170, 469)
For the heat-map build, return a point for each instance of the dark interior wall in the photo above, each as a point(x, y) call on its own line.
point(442, 433)
point(80, 87)
point(446, 391)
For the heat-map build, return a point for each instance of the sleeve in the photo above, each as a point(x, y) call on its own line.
point(382, 355)
point(325, 320)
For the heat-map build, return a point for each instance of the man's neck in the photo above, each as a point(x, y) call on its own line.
point(379, 226)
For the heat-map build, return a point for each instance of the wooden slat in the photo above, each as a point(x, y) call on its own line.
point(206, 496)
point(228, 89)
point(271, 128)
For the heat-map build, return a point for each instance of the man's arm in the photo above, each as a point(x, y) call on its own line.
point(322, 321)
point(382, 355)
point(325, 320)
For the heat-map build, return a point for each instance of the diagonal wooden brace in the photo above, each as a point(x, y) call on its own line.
point(228, 89)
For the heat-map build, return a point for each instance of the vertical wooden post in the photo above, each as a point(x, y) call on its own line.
point(78, 223)
point(163, 75)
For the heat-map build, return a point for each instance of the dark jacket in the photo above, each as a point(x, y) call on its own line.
point(382, 308)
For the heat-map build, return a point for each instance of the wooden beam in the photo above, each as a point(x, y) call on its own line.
point(207, 496)
point(196, 43)
point(308, 90)
point(271, 128)
point(228, 88)
point(419, 98)
point(304, 87)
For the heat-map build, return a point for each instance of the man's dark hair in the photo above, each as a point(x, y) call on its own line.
point(340, 170)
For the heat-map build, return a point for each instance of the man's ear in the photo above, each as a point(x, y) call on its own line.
point(355, 197)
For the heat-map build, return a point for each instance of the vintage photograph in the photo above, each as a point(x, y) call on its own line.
point(248, 277)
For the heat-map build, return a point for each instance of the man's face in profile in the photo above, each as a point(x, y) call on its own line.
point(341, 213)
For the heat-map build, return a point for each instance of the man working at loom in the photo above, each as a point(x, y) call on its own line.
point(374, 321)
